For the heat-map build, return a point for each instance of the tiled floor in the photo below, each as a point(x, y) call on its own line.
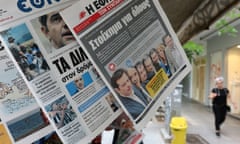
point(201, 121)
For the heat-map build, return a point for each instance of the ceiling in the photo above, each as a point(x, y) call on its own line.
point(190, 17)
point(178, 11)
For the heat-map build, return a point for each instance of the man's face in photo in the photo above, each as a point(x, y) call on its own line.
point(142, 73)
point(149, 65)
point(55, 107)
point(124, 85)
point(57, 31)
point(133, 75)
point(79, 82)
point(168, 41)
point(64, 106)
point(155, 57)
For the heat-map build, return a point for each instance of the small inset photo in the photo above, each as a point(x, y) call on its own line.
point(52, 31)
point(61, 112)
point(79, 83)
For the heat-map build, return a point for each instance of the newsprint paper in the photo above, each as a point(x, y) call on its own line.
point(134, 48)
point(50, 91)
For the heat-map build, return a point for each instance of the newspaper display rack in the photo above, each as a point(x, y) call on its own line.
point(72, 68)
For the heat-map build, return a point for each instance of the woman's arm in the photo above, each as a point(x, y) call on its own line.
point(212, 95)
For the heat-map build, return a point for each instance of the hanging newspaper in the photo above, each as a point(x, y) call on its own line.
point(134, 48)
point(59, 74)
point(21, 119)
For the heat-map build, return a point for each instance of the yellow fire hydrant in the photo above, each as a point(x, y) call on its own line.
point(178, 129)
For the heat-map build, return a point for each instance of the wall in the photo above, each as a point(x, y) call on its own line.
point(233, 74)
point(220, 43)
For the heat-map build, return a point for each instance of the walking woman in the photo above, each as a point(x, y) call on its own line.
point(219, 96)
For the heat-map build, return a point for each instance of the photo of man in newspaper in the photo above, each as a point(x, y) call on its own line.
point(79, 83)
point(163, 59)
point(52, 31)
point(61, 112)
point(148, 64)
point(157, 61)
point(132, 98)
point(135, 79)
point(142, 74)
point(173, 55)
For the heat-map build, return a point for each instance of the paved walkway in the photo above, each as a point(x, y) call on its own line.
point(201, 121)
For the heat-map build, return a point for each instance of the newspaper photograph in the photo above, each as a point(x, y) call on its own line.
point(72, 97)
point(135, 49)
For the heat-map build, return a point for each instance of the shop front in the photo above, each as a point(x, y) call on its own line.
point(233, 75)
point(223, 57)
point(198, 79)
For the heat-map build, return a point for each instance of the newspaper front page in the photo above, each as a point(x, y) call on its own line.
point(135, 50)
point(58, 73)
point(21, 118)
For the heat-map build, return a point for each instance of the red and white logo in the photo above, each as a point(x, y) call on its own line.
point(82, 14)
point(112, 67)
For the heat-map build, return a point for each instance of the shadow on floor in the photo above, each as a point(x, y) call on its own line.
point(195, 139)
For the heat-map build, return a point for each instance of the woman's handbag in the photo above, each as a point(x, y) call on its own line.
point(228, 108)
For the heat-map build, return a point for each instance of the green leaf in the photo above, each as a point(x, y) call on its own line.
point(223, 25)
point(192, 48)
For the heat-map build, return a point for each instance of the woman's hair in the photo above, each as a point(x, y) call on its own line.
point(219, 79)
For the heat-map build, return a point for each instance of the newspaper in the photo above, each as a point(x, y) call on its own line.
point(134, 48)
point(21, 118)
point(68, 88)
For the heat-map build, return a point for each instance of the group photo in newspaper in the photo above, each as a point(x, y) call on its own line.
point(71, 69)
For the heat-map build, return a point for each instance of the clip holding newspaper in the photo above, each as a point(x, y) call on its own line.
point(75, 103)
point(134, 48)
